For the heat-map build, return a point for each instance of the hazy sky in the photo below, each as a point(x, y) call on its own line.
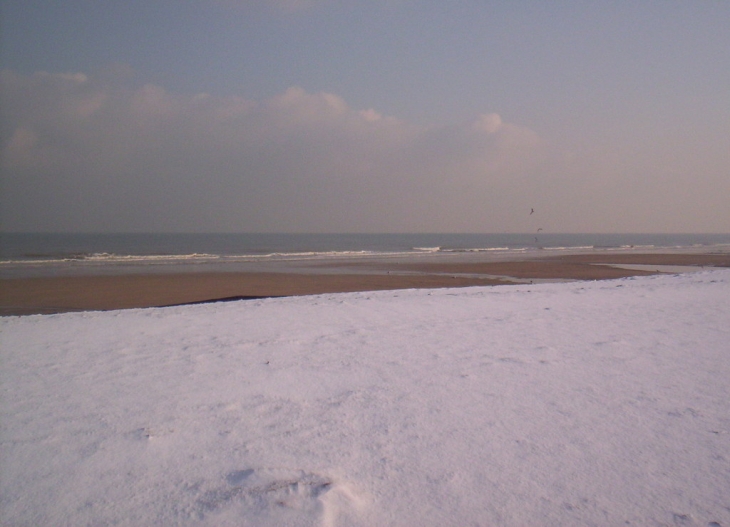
point(365, 116)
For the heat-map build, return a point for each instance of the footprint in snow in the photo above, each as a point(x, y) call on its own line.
point(149, 433)
point(268, 490)
point(511, 360)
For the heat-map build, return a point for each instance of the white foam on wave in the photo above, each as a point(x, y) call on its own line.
point(483, 249)
point(111, 258)
point(427, 249)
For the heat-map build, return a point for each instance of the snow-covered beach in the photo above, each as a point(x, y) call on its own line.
point(583, 403)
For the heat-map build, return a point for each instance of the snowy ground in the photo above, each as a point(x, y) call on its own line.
point(588, 403)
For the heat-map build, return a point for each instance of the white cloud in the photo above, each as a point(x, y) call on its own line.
point(490, 123)
point(21, 148)
point(370, 115)
point(80, 153)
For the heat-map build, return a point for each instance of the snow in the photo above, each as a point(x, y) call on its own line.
point(585, 403)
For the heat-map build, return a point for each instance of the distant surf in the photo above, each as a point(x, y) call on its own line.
point(26, 252)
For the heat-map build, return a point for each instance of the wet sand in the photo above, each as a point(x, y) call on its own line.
point(45, 295)
point(24, 296)
point(579, 266)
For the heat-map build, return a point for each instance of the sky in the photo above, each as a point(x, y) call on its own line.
point(364, 116)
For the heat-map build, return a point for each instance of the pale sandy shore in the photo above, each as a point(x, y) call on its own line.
point(44, 295)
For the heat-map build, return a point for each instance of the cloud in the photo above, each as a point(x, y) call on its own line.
point(490, 123)
point(87, 153)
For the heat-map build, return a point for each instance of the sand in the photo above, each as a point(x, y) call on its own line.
point(45, 295)
point(578, 266)
point(24, 296)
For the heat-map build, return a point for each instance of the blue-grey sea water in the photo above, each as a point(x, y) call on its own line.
point(34, 254)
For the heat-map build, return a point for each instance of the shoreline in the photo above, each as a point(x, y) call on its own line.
point(93, 292)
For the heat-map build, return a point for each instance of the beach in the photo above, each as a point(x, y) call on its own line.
point(123, 288)
point(589, 402)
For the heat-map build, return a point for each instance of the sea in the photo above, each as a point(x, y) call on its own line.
point(48, 254)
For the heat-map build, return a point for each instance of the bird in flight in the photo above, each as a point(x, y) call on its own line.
point(532, 211)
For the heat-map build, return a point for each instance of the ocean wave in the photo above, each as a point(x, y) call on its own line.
point(427, 249)
point(103, 257)
point(39, 259)
point(111, 258)
point(306, 254)
point(569, 248)
point(482, 249)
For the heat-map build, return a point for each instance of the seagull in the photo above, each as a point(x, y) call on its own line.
point(538, 230)
point(532, 211)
